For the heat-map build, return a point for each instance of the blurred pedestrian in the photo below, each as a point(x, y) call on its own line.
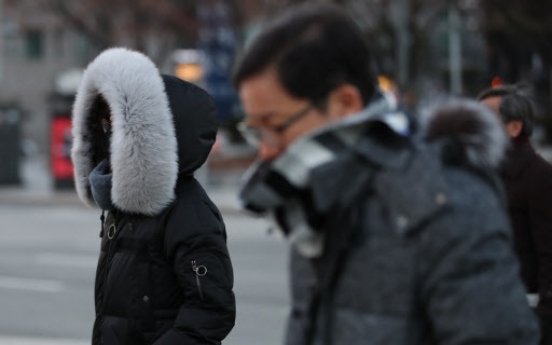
point(527, 178)
point(164, 275)
point(394, 239)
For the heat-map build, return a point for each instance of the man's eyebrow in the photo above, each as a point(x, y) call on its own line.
point(263, 117)
point(267, 115)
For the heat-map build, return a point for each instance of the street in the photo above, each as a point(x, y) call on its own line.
point(47, 265)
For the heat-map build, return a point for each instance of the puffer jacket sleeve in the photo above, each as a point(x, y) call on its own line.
point(195, 242)
point(471, 289)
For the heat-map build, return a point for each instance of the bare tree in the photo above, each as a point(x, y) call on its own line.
point(152, 26)
point(527, 23)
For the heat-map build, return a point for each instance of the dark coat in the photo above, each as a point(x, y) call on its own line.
point(431, 264)
point(417, 246)
point(527, 178)
point(164, 274)
point(150, 288)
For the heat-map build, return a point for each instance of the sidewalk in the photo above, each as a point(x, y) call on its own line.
point(40, 341)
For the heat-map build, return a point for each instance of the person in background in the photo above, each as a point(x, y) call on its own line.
point(164, 275)
point(527, 178)
point(395, 238)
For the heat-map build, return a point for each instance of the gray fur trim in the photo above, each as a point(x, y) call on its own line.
point(472, 124)
point(144, 157)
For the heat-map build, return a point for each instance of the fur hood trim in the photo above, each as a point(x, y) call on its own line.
point(143, 148)
point(471, 124)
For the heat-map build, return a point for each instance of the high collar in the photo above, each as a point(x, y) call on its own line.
point(100, 184)
point(300, 188)
point(315, 161)
point(517, 157)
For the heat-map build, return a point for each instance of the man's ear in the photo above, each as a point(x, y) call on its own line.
point(345, 100)
point(514, 128)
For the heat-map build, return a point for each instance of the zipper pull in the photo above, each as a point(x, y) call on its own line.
point(102, 220)
point(199, 271)
point(112, 231)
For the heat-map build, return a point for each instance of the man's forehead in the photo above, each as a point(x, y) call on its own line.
point(262, 93)
point(493, 102)
point(264, 80)
point(257, 89)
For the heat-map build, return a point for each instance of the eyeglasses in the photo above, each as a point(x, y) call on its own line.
point(255, 136)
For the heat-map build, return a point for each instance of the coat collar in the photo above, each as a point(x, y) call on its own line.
point(517, 158)
point(377, 134)
point(325, 170)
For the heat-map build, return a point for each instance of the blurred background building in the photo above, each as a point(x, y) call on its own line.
point(424, 48)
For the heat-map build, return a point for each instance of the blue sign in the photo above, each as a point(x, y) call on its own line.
point(217, 42)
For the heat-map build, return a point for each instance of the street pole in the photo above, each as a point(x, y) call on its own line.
point(2, 50)
point(403, 36)
point(455, 51)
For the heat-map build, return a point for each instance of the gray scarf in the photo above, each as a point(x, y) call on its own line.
point(100, 183)
point(299, 187)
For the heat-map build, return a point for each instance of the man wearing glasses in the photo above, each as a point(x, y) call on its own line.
point(395, 239)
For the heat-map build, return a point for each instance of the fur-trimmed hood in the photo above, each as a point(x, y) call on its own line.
point(472, 125)
point(162, 128)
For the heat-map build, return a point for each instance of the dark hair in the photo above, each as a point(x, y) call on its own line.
point(314, 48)
point(515, 105)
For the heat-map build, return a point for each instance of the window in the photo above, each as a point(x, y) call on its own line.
point(35, 44)
point(81, 46)
point(58, 42)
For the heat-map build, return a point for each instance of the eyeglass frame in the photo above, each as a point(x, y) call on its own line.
point(255, 140)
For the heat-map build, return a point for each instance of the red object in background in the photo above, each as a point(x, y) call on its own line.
point(496, 82)
point(62, 167)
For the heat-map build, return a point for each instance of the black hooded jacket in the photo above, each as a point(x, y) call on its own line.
point(164, 274)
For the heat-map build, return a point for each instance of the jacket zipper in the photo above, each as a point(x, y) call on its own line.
point(199, 271)
point(111, 232)
point(99, 312)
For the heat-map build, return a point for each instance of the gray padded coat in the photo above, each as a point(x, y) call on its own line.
point(418, 253)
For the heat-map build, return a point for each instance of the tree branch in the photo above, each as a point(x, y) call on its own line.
point(98, 40)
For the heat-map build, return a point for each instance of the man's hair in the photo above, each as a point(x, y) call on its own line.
point(314, 48)
point(515, 105)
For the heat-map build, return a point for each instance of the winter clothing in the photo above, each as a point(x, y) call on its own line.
point(528, 182)
point(164, 274)
point(100, 185)
point(414, 238)
point(267, 190)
